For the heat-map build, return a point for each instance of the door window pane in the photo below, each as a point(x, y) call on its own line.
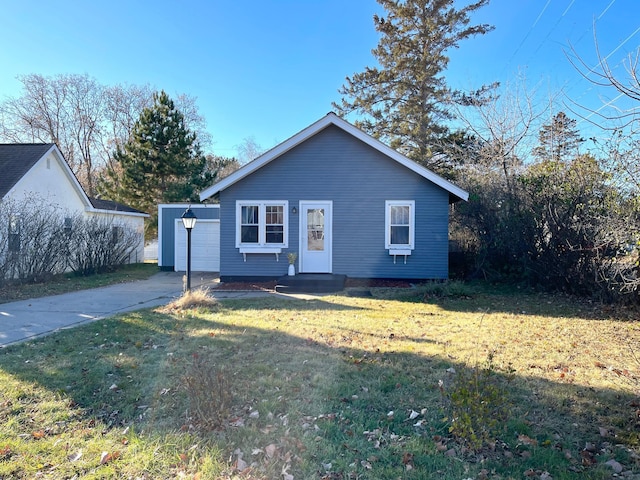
point(315, 229)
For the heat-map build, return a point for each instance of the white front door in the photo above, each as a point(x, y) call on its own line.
point(315, 236)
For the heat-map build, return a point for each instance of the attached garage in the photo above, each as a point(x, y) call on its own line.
point(205, 246)
point(205, 238)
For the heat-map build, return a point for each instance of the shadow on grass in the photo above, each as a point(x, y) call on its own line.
point(127, 371)
point(480, 297)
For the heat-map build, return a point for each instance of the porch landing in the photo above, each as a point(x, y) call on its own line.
point(311, 283)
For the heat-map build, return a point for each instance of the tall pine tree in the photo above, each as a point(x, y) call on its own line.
point(404, 101)
point(559, 140)
point(161, 162)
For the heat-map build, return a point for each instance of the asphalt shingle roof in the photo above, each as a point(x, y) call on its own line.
point(101, 204)
point(16, 159)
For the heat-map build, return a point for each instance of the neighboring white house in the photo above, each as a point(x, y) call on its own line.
point(29, 170)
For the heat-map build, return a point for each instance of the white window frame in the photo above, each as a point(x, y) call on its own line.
point(262, 246)
point(399, 249)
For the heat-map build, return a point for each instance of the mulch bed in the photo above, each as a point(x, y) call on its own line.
point(253, 286)
point(350, 283)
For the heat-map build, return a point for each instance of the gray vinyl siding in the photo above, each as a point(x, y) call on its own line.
point(166, 231)
point(333, 165)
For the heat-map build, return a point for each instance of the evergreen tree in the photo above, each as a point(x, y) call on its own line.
point(160, 163)
point(404, 101)
point(559, 140)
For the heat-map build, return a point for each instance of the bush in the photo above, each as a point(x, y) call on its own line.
point(38, 242)
point(478, 403)
point(98, 244)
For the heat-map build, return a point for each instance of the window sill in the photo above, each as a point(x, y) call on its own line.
point(395, 252)
point(250, 250)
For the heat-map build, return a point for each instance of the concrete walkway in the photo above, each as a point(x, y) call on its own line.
point(27, 319)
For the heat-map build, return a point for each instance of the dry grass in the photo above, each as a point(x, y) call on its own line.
point(193, 299)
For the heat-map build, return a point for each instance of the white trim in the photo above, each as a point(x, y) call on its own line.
point(262, 224)
point(162, 206)
point(331, 119)
point(328, 230)
point(118, 212)
point(179, 230)
point(72, 178)
point(387, 226)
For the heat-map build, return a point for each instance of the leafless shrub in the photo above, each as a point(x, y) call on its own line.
point(98, 244)
point(33, 243)
point(39, 240)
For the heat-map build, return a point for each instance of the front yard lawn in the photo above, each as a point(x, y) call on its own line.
point(468, 383)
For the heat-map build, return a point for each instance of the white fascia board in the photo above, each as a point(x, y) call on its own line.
point(267, 157)
point(118, 212)
point(332, 119)
point(71, 176)
point(188, 205)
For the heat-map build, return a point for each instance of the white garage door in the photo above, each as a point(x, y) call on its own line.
point(205, 246)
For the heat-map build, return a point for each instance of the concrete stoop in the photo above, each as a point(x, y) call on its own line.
point(311, 283)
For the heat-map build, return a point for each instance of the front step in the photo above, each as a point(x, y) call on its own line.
point(311, 283)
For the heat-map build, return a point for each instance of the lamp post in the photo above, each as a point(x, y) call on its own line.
point(189, 221)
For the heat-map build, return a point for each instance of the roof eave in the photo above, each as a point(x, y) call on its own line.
point(324, 122)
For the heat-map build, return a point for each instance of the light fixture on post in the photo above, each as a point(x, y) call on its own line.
point(189, 221)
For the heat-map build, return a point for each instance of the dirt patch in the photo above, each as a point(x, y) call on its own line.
point(350, 283)
point(251, 286)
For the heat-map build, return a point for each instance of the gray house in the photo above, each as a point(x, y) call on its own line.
point(344, 202)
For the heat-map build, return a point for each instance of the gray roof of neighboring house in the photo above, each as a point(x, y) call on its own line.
point(101, 204)
point(16, 159)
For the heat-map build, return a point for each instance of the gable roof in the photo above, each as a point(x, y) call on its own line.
point(16, 159)
point(455, 192)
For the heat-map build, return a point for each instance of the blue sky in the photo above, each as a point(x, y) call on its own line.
point(267, 69)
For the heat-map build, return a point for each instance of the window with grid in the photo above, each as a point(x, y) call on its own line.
point(261, 223)
point(400, 224)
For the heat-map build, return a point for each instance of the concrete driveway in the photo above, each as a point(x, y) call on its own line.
point(26, 319)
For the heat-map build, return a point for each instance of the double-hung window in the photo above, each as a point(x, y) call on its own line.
point(399, 224)
point(261, 224)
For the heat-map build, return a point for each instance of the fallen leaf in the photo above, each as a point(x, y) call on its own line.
point(107, 457)
point(76, 456)
point(241, 465)
point(407, 458)
point(270, 450)
point(524, 440)
point(38, 435)
point(617, 468)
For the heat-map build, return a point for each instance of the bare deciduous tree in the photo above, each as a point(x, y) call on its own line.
point(86, 119)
